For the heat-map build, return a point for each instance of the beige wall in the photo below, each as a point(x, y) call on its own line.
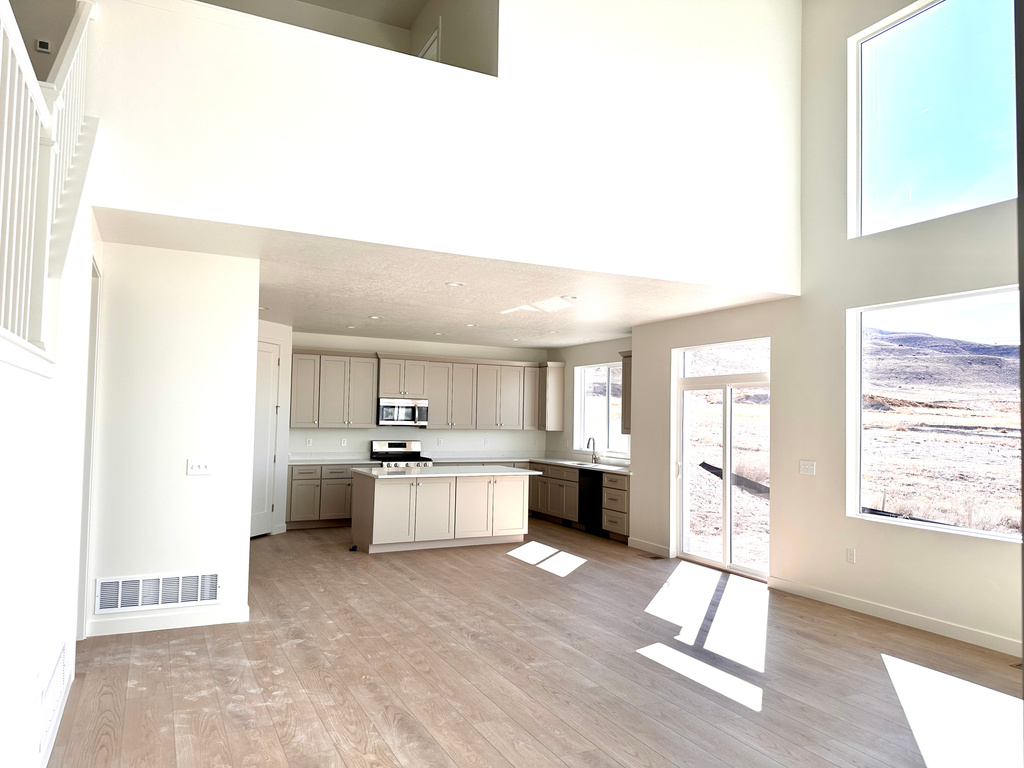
point(177, 380)
point(957, 585)
point(43, 20)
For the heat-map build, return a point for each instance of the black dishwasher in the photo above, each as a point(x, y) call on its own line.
point(590, 502)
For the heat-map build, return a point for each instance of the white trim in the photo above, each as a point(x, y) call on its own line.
point(649, 546)
point(177, 618)
point(22, 354)
point(46, 750)
point(434, 37)
point(999, 643)
point(854, 177)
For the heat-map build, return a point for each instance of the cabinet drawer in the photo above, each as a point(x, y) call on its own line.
point(615, 500)
point(616, 522)
point(616, 481)
point(336, 471)
point(305, 473)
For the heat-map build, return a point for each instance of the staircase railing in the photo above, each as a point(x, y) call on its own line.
point(40, 125)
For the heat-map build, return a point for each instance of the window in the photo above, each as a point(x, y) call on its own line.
point(599, 408)
point(938, 408)
point(932, 113)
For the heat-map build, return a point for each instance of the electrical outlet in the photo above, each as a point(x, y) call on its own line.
point(197, 467)
point(487, 441)
point(440, 442)
point(806, 467)
point(851, 555)
point(344, 442)
point(309, 441)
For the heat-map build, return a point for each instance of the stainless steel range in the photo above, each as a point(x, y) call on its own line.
point(399, 453)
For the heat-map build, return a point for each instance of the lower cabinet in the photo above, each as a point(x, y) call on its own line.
point(320, 493)
point(305, 500)
point(510, 505)
point(490, 506)
point(435, 509)
point(557, 493)
point(335, 499)
point(414, 509)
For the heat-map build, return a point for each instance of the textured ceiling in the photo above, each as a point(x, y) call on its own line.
point(397, 13)
point(327, 285)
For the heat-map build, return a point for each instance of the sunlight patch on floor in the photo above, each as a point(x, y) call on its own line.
point(685, 598)
point(730, 686)
point(548, 558)
point(955, 722)
point(740, 627)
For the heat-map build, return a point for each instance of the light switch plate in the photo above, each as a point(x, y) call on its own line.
point(197, 467)
point(806, 467)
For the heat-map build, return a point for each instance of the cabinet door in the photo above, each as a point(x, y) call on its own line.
point(554, 394)
point(531, 398)
point(333, 391)
point(535, 492)
point(435, 508)
point(463, 402)
point(335, 499)
point(394, 511)
point(362, 393)
point(305, 501)
point(571, 498)
point(439, 386)
point(627, 393)
point(305, 391)
point(488, 381)
point(472, 507)
point(510, 398)
point(510, 503)
point(556, 498)
point(415, 378)
point(392, 375)
point(543, 494)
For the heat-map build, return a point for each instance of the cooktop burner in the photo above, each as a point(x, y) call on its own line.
point(399, 453)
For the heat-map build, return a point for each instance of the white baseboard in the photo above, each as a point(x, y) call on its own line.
point(647, 546)
point(145, 621)
point(900, 616)
point(46, 753)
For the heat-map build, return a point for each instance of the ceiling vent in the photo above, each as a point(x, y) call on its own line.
point(136, 593)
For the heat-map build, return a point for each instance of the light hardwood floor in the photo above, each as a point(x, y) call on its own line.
point(469, 657)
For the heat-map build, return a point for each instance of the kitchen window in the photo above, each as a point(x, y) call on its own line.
point(935, 414)
point(932, 114)
point(599, 409)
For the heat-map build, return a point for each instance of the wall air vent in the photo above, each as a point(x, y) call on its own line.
point(135, 593)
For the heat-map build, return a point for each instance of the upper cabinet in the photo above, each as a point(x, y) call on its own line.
point(403, 378)
point(451, 394)
point(333, 391)
point(627, 391)
point(499, 396)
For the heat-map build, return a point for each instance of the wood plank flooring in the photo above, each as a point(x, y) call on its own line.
point(469, 657)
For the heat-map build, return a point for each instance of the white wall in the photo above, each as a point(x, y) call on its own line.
point(957, 585)
point(42, 435)
point(469, 33)
point(276, 333)
point(628, 139)
point(320, 19)
point(559, 444)
point(43, 20)
point(177, 378)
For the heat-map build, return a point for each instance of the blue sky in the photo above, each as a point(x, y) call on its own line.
point(938, 114)
point(990, 318)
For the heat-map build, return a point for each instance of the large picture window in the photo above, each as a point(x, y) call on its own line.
point(938, 406)
point(932, 112)
point(599, 409)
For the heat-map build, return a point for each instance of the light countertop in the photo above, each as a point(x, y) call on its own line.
point(457, 470)
point(609, 468)
point(315, 459)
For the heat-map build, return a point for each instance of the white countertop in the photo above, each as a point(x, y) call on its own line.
point(450, 471)
point(611, 468)
point(326, 458)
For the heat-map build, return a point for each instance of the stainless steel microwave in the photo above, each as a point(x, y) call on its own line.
point(401, 412)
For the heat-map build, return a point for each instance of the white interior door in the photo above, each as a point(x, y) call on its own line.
point(268, 371)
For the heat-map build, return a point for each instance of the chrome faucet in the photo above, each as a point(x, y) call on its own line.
point(593, 450)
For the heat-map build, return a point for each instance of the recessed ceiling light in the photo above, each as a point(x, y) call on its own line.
point(515, 339)
point(471, 325)
point(350, 326)
point(438, 333)
point(263, 308)
point(376, 317)
point(455, 284)
point(552, 331)
point(570, 298)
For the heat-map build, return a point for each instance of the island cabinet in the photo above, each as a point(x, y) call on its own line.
point(499, 396)
point(333, 391)
point(438, 507)
point(490, 506)
point(451, 392)
point(403, 378)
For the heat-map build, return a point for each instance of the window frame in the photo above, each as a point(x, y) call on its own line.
point(854, 134)
point(578, 436)
point(854, 424)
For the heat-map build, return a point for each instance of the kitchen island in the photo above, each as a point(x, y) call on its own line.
point(398, 509)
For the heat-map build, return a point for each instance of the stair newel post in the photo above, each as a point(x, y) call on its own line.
point(41, 326)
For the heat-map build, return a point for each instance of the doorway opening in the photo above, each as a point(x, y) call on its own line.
point(723, 427)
